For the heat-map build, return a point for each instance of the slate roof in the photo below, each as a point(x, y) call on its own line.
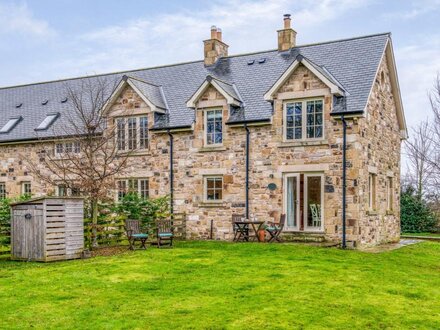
point(351, 62)
point(150, 91)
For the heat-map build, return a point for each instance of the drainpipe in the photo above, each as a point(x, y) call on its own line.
point(344, 180)
point(171, 174)
point(247, 169)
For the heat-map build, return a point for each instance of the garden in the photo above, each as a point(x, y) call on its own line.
point(218, 285)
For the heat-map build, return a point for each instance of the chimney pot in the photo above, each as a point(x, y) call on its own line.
point(213, 32)
point(219, 34)
point(287, 21)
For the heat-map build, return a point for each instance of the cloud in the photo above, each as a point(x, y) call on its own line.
point(247, 26)
point(418, 8)
point(418, 65)
point(18, 19)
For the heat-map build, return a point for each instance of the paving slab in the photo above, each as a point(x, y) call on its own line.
point(391, 246)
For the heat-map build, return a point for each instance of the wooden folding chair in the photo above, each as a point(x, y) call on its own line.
point(236, 228)
point(165, 234)
point(275, 229)
point(135, 233)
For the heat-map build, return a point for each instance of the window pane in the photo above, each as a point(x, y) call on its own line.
point(144, 189)
point(69, 147)
point(77, 147)
point(2, 190)
point(10, 125)
point(143, 133)
point(314, 201)
point(214, 188)
point(47, 122)
point(122, 189)
point(132, 132)
point(59, 148)
point(314, 121)
point(293, 119)
point(121, 134)
point(214, 127)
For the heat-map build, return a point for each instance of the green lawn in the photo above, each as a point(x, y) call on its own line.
point(223, 285)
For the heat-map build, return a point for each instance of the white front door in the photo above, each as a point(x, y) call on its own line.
point(291, 201)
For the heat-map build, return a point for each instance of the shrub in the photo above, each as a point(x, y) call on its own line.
point(147, 210)
point(415, 216)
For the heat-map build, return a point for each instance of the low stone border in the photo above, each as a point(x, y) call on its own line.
point(427, 238)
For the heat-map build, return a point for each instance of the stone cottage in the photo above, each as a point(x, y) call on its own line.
point(257, 134)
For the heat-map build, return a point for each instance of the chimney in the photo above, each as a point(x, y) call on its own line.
point(286, 36)
point(214, 48)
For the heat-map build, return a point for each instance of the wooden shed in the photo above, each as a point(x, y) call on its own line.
point(47, 229)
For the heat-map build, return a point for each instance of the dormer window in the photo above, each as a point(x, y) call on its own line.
point(12, 122)
point(303, 120)
point(213, 127)
point(47, 122)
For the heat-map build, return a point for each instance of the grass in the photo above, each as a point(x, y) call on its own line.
point(215, 285)
point(422, 234)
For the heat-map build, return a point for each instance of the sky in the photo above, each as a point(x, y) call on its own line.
point(44, 40)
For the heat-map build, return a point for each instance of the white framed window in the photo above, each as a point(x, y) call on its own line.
point(63, 191)
point(132, 133)
point(213, 127)
point(139, 186)
point(3, 192)
point(390, 193)
point(26, 188)
point(304, 120)
point(63, 148)
point(372, 191)
point(213, 188)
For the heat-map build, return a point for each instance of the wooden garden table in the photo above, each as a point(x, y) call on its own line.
point(243, 230)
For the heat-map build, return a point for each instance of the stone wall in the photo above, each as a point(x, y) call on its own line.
point(380, 145)
point(270, 159)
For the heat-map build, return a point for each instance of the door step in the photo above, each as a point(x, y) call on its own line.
point(303, 237)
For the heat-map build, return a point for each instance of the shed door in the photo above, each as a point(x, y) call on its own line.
point(28, 233)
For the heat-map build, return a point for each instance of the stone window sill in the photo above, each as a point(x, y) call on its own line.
point(210, 149)
point(302, 143)
point(212, 204)
point(135, 153)
point(372, 213)
point(390, 212)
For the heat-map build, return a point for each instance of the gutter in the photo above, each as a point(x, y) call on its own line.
point(247, 169)
point(245, 122)
point(168, 129)
point(171, 174)
point(342, 116)
point(344, 181)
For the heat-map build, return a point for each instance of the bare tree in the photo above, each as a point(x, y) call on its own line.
point(423, 149)
point(418, 150)
point(85, 156)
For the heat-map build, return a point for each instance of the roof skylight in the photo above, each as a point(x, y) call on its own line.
point(12, 122)
point(45, 124)
point(44, 102)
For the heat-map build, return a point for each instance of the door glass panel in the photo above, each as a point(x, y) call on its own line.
point(291, 201)
point(314, 201)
